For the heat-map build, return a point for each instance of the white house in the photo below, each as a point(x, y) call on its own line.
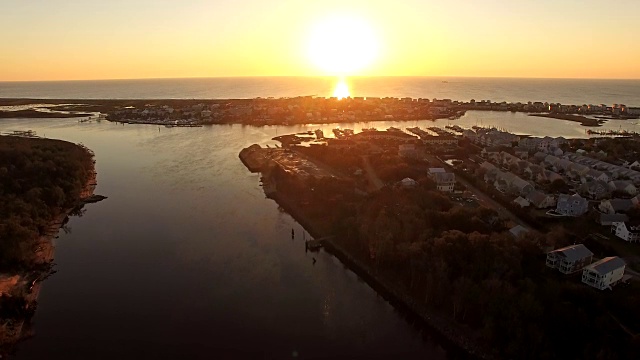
point(605, 273)
point(626, 231)
point(569, 259)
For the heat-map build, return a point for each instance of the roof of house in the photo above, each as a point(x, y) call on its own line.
point(613, 217)
point(620, 204)
point(606, 265)
point(536, 197)
point(574, 252)
point(521, 201)
point(517, 230)
point(436, 170)
point(445, 177)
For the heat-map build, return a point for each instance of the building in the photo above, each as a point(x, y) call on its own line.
point(440, 140)
point(615, 206)
point(445, 181)
point(572, 205)
point(609, 219)
point(541, 200)
point(623, 186)
point(569, 259)
point(627, 231)
point(604, 274)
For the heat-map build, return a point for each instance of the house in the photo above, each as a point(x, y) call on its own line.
point(623, 186)
point(609, 219)
point(518, 230)
point(626, 230)
point(541, 200)
point(445, 181)
point(595, 190)
point(572, 205)
point(521, 201)
point(615, 206)
point(604, 274)
point(408, 183)
point(597, 175)
point(569, 259)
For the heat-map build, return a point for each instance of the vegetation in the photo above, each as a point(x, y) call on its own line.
point(38, 179)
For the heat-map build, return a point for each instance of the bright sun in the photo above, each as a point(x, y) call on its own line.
point(342, 45)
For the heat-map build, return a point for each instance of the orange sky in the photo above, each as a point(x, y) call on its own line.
point(90, 39)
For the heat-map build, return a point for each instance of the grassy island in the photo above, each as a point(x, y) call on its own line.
point(41, 182)
point(446, 258)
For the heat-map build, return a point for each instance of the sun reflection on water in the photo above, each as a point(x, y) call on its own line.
point(341, 90)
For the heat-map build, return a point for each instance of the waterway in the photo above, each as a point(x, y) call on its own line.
point(187, 259)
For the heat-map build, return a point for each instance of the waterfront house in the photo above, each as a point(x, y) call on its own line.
point(615, 206)
point(569, 259)
point(627, 230)
point(572, 205)
point(623, 186)
point(541, 200)
point(604, 274)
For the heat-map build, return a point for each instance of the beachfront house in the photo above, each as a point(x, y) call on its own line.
point(604, 274)
point(569, 259)
point(626, 230)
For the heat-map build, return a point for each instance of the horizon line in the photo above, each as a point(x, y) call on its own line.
point(323, 76)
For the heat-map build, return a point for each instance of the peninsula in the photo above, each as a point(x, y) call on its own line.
point(306, 110)
point(463, 229)
point(42, 182)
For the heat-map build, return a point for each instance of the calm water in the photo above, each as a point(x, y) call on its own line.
point(567, 91)
point(187, 259)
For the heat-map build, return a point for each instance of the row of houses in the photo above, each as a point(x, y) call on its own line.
point(602, 274)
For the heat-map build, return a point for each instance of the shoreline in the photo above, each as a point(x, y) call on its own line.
point(450, 332)
point(16, 332)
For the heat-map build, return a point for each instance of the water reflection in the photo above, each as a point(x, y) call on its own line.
point(341, 90)
point(188, 259)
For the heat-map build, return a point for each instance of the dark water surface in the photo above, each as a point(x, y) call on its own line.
point(187, 259)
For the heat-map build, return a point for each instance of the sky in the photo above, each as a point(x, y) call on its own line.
point(131, 39)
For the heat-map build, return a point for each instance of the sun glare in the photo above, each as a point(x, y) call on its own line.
point(342, 89)
point(342, 45)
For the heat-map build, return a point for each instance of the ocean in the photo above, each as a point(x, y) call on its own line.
point(566, 91)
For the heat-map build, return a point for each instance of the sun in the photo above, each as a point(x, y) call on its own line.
point(342, 45)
